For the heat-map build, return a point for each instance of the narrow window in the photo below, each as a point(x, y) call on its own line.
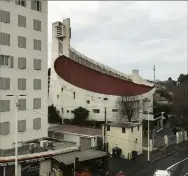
point(108, 127)
point(74, 95)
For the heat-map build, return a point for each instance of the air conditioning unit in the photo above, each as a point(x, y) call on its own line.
point(32, 147)
point(50, 143)
point(43, 144)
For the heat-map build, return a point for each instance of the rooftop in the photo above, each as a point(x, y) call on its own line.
point(106, 83)
point(123, 124)
point(25, 152)
point(68, 158)
point(76, 130)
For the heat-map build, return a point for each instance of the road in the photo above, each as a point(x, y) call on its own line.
point(179, 170)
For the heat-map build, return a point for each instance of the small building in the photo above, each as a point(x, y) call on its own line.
point(84, 137)
point(124, 135)
point(90, 161)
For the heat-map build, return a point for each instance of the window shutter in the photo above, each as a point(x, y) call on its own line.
point(11, 62)
point(1, 83)
point(21, 104)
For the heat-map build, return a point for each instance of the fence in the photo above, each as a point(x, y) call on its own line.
point(176, 139)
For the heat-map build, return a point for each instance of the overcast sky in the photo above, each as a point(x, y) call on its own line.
point(128, 35)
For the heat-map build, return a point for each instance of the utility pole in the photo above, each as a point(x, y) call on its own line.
point(154, 74)
point(105, 122)
point(76, 160)
point(16, 131)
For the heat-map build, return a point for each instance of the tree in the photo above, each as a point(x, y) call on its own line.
point(182, 78)
point(53, 116)
point(80, 115)
point(180, 105)
point(128, 107)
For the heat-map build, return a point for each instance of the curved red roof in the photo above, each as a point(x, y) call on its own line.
point(95, 81)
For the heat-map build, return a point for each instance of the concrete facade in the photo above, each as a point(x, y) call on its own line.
point(67, 97)
point(19, 22)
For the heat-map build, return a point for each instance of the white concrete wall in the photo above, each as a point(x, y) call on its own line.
point(72, 138)
point(28, 73)
point(45, 167)
point(64, 99)
point(126, 141)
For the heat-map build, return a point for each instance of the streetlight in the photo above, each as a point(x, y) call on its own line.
point(16, 131)
point(148, 133)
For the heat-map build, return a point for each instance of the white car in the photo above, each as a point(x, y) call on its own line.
point(162, 173)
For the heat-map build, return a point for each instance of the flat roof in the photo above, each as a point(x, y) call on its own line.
point(68, 158)
point(75, 129)
point(24, 150)
point(123, 124)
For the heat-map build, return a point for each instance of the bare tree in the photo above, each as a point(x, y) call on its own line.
point(128, 107)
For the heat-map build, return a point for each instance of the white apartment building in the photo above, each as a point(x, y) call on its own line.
point(23, 70)
point(77, 80)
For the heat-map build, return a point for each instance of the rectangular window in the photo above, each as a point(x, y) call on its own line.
point(114, 110)
point(6, 61)
point(105, 98)
point(4, 128)
point(123, 130)
point(4, 105)
point(132, 130)
point(37, 84)
point(37, 123)
point(37, 103)
point(37, 64)
point(74, 95)
point(37, 44)
point(108, 127)
point(21, 2)
point(4, 16)
point(22, 63)
point(21, 84)
point(21, 125)
point(36, 5)
point(4, 83)
point(37, 25)
point(22, 104)
point(4, 39)
point(21, 42)
point(88, 102)
point(60, 47)
point(96, 110)
point(138, 127)
point(21, 21)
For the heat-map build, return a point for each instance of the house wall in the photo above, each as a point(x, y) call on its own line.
point(126, 141)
